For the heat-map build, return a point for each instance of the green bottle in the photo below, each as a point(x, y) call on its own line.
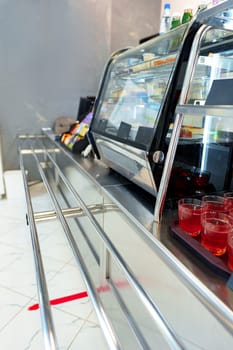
point(187, 16)
point(175, 21)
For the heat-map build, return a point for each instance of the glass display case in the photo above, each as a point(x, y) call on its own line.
point(140, 96)
point(132, 105)
point(136, 84)
point(204, 154)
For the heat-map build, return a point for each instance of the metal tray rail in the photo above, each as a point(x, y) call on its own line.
point(218, 308)
point(166, 330)
point(50, 341)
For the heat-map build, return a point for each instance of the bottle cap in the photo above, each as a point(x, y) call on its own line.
point(167, 6)
point(188, 11)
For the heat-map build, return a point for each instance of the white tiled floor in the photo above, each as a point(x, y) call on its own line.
point(75, 322)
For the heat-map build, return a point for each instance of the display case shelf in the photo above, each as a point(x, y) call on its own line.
point(211, 110)
point(152, 69)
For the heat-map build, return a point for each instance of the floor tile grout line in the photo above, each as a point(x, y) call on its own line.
point(68, 313)
point(88, 318)
point(18, 292)
point(3, 268)
point(22, 308)
point(15, 246)
point(78, 332)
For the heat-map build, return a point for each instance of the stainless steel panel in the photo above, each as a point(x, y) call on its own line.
point(128, 266)
point(49, 335)
point(128, 161)
point(169, 335)
point(173, 297)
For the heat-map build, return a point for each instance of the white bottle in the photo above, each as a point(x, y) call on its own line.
point(165, 23)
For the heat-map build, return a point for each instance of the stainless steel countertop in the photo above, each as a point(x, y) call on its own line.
point(141, 206)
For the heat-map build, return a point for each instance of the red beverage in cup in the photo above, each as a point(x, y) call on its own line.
point(189, 212)
point(230, 251)
point(213, 203)
point(228, 203)
point(216, 227)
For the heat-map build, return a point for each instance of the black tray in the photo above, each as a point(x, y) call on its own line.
point(216, 263)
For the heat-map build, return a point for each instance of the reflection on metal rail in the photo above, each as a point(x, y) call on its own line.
point(45, 309)
point(166, 330)
point(217, 308)
point(151, 307)
point(73, 212)
point(132, 322)
point(38, 151)
point(92, 293)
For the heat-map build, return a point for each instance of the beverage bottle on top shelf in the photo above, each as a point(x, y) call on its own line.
point(165, 23)
point(175, 20)
point(187, 15)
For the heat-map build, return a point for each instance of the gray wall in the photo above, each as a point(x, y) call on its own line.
point(133, 20)
point(53, 52)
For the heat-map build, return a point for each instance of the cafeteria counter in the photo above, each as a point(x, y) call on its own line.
point(148, 289)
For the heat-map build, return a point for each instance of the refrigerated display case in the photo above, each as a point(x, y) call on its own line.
point(133, 104)
point(139, 100)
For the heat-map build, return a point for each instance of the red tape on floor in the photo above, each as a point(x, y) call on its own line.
point(77, 296)
point(61, 300)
